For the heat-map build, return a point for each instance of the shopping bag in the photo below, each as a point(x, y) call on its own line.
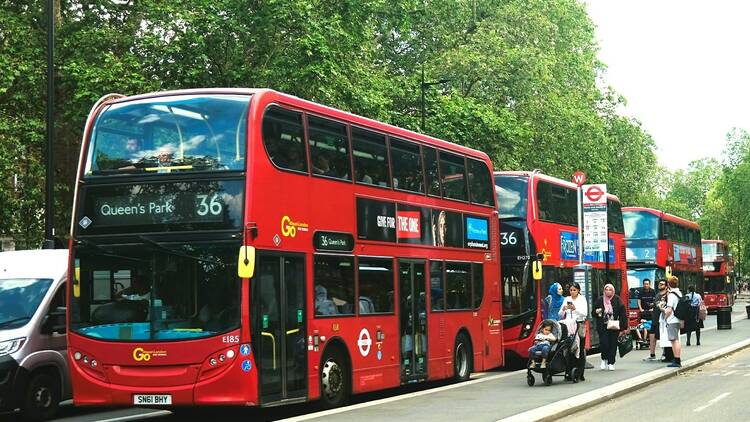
point(624, 344)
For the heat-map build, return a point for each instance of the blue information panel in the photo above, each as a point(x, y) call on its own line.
point(569, 249)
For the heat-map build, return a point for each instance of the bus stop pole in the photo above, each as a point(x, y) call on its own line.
point(49, 227)
point(580, 227)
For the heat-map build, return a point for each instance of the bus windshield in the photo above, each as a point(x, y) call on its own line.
point(156, 291)
point(640, 225)
point(19, 299)
point(170, 134)
point(711, 251)
point(512, 195)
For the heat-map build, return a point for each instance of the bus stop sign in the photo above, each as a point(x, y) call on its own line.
point(579, 178)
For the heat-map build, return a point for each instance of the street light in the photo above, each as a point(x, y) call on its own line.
point(49, 227)
point(424, 85)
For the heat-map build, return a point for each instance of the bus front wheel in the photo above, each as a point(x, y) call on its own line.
point(334, 379)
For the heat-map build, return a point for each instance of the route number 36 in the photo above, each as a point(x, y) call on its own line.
point(508, 238)
point(206, 205)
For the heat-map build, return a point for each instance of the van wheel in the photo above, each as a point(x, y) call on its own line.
point(462, 358)
point(41, 398)
point(334, 379)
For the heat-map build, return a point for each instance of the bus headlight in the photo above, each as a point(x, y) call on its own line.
point(11, 346)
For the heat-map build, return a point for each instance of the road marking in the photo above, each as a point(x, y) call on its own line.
point(712, 401)
point(730, 373)
point(747, 375)
point(138, 416)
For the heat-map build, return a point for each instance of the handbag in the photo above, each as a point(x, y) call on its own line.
point(624, 344)
point(613, 324)
point(702, 311)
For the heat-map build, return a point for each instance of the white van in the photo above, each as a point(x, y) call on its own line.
point(33, 358)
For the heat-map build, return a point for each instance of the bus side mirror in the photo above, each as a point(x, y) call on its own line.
point(246, 262)
point(668, 271)
point(77, 282)
point(536, 270)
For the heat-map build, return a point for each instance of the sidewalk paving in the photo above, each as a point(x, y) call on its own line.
point(494, 396)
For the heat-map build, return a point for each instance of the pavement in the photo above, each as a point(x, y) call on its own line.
point(495, 396)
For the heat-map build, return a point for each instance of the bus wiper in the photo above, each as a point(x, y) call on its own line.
point(11, 321)
point(513, 218)
point(176, 252)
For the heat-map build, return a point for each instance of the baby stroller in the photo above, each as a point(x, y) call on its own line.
point(561, 360)
point(641, 340)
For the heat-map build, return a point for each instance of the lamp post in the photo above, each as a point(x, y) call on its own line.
point(49, 230)
point(424, 85)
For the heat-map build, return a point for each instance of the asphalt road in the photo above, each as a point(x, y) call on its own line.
point(716, 391)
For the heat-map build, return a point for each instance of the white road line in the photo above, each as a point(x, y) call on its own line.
point(712, 401)
point(139, 416)
point(747, 375)
point(731, 372)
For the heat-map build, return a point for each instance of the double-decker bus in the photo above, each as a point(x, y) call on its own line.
point(718, 276)
point(539, 220)
point(247, 247)
point(659, 244)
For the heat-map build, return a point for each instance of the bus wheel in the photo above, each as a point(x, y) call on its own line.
point(41, 398)
point(334, 379)
point(462, 358)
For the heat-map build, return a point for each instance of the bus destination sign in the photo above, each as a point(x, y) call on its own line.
point(333, 241)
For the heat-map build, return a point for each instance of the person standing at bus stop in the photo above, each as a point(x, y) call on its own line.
point(653, 335)
point(611, 320)
point(553, 302)
point(669, 323)
point(579, 308)
point(693, 323)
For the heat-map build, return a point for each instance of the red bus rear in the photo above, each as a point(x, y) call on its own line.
point(659, 244)
point(718, 274)
point(538, 215)
point(246, 247)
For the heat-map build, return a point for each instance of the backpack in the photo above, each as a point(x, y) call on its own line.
point(682, 310)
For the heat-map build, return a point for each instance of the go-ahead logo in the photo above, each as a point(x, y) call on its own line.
point(289, 228)
point(142, 355)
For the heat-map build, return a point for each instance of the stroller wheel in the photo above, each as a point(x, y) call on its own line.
point(530, 379)
point(547, 378)
point(574, 375)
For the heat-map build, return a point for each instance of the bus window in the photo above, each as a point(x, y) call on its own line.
point(518, 291)
point(370, 158)
point(375, 286)
point(557, 204)
point(477, 271)
point(407, 166)
point(453, 171)
point(614, 216)
point(431, 171)
point(480, 182)
point(436, 286)
point(458, 285)
point(283, 138)
point(334, 285)
point(329, 148)
point(511, 193)
point(640, 225)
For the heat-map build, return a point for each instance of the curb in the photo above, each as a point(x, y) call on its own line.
point(569, 406)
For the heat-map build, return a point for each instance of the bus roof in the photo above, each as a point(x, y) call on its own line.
point(723, 242)
point(548, 178)
point(315, 108)
point(665, 216)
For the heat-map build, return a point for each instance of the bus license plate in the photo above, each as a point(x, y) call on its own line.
point(152, 399)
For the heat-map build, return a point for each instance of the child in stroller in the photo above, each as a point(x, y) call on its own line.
point(553, 353)
point(542, 344)
point(641, 332)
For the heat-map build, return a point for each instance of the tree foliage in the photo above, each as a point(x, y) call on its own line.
point(524, 82)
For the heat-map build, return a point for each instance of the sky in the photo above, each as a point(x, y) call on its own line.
point(682, 66)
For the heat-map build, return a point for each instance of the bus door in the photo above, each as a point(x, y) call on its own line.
point(279, 329)
point(413, 321)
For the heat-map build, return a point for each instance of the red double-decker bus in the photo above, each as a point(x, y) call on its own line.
point(539, 219)
point(246, 247)
point(718, 274)
point(659, 244)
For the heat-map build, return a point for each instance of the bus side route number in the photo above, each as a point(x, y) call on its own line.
point(152, 399)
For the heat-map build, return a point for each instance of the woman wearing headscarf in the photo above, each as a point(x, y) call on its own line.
point(611, 319)
point(578, 308)
point(554, 302)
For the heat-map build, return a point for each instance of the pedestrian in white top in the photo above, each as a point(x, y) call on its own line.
point(579, 308)
point(669, 324)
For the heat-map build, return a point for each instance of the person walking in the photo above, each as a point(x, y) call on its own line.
point(669, 324)
point(579, 308)
point(693, 323)
point(553, 302)
point(653, 335)
point(611, 320)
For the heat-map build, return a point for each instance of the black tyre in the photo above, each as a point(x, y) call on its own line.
point(462, 358)
point(335, 379)
point(41, 398)
point(547, 378)
point(574, 375)
point(530, 379)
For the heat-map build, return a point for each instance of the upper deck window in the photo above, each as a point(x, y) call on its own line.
point(407, 166)
point(614, 216)
point(480, 182)
point(284, 138)
point(370, 158)
point(512, 194)
point(329, 148)
point(170, 134)
point(453, 171)
point(640, 225)
point(557, 204)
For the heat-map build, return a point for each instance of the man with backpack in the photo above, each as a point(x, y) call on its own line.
point(672, 307)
